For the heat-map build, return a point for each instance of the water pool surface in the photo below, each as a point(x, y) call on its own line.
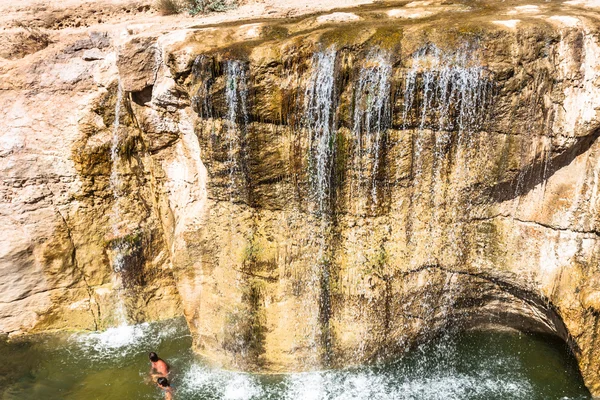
point(114, 365)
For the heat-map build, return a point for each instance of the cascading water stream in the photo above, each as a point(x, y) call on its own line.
point(319, 122)
point(447, 95)
point(372, 117)
point(236, 94)
point(118, 260)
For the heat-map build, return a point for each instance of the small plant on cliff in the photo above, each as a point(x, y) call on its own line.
point(194, 7)
point(168, 7)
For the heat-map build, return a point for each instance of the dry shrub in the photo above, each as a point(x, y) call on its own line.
point(168, 7)
point(195, 7)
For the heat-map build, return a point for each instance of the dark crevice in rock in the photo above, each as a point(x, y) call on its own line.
point(540, 224)
point(537, 301)
point(142, 97)
point(255, 275)
point(75, 262)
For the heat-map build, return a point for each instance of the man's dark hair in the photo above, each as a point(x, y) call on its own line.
point(163, 382)
point(153, 357)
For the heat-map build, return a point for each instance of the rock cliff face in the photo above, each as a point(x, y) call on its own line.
point(313, 192)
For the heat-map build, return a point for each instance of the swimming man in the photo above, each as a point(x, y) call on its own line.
point(163, 383)
point(158, 368)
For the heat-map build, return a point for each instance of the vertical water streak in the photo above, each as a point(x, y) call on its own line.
point(115, 179)
point(236, 94)
point(454, 93)
point(235, 126)
point(446, 98)
point(118, 261)
point(319, 121)
point(372, 116)
point(203, 78)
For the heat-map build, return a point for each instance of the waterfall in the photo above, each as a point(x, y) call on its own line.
point(118, 260)
point(319, 122)
point(203, 79)
point(371, 118)
point(446, 99)
point(440, 103)
point(319, 115)
point(115, 179)
point(454, 92)
point(236, 94)
point(446, 95)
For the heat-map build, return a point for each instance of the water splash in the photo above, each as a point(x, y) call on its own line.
point(224, 385)
point(128, 340)
point(434, 371)
point(372, 116)
point(473, 366)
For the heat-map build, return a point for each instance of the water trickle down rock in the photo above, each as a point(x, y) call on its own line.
point(394, 294)
point(236, 94)
point(119, 246)
point(446, 99)
point(319, 122)
point(371, 118)
point(203, 80)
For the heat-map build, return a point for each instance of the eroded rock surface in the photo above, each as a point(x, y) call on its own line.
point(313, 192)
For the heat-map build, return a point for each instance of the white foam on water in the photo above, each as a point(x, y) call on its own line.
point(367, 385)
point(224, 385)
point(310, 386)
point(123, 340)
point(352, 385)
point(113, 339)
point(241, 387)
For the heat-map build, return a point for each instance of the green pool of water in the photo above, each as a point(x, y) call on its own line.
point(113, 365)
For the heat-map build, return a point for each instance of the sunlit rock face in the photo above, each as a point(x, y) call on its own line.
point(345, 192)
point(325, 192)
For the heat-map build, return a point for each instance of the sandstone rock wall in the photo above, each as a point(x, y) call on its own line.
point(57, 204)
point(366, 188)
point(312, 192)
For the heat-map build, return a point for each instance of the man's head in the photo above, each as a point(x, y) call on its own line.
point(153, 357)
point(163, 382)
